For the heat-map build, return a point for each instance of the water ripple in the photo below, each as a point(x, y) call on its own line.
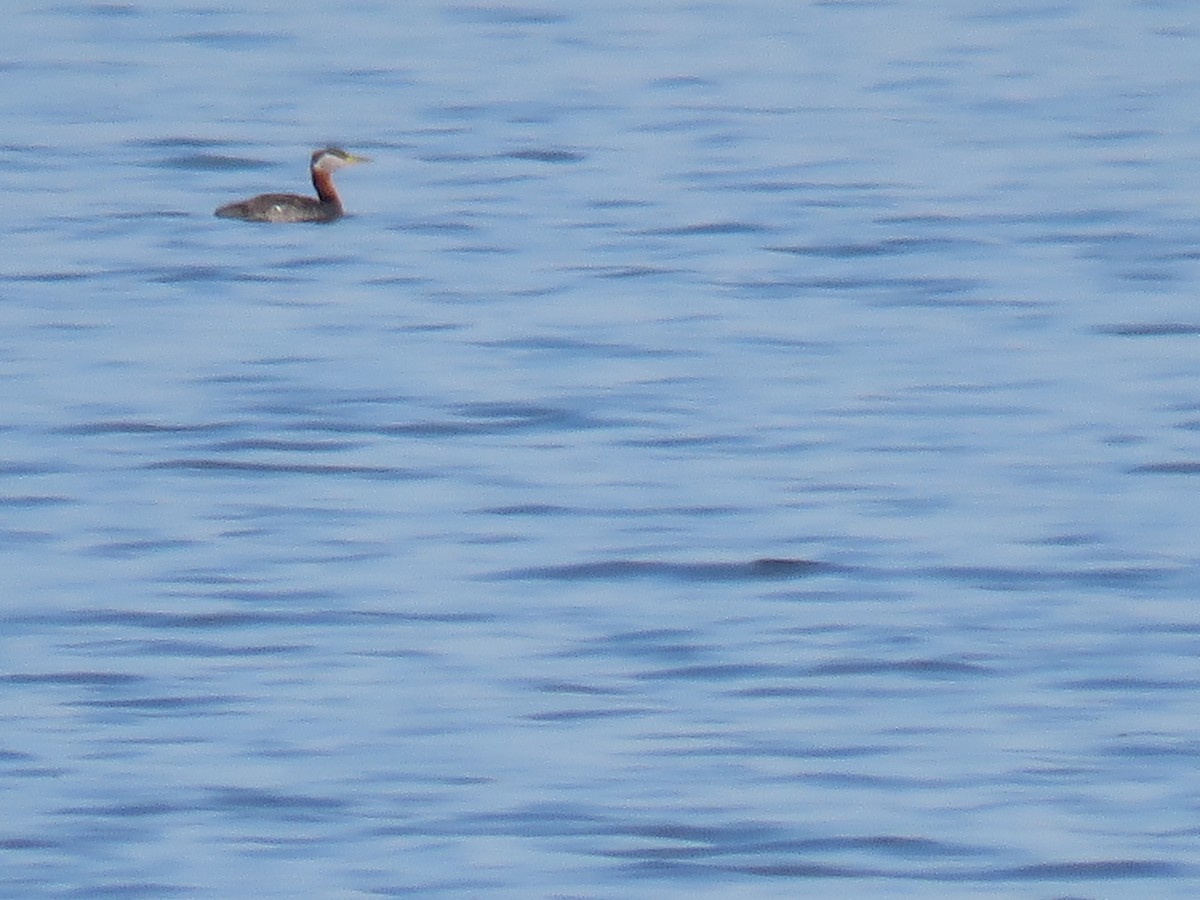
point(754, 570)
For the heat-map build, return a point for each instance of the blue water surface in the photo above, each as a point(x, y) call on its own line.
point(728, 449)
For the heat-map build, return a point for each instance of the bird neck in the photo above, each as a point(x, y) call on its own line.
point(323, 182)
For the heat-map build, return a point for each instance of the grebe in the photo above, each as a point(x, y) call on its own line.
point(325, 207)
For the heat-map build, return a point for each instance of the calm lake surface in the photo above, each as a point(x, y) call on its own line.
point(730, 449)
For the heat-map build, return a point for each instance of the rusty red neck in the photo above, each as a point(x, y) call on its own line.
point(323, 182)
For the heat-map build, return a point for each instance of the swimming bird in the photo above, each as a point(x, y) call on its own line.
point(325, 207)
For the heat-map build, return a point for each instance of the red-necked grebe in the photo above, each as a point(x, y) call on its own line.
point(325, 207)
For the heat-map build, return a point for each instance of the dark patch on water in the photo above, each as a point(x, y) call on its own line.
point(131, 548)
point(765, 569)
point(34, 501)
point(1150, 329)
point(887, 247)
point(130, 890)
point(209, 704)
point(680, 81)
point(1099, 870)
point(258, 803)
point(319, 261)
point(429, 226)
point(284, 446)
point(213, 162)
point(114, 10)
point(581, 715)
point(693, 440)
point(1187, 467)
point(322, 616)
point(153, 215)
point(1122, 685)
point(186, 142)
point(884, 290)
point(573, 688)
point(30, 843)
point(577, 348)
point(626, 271)
point(212, 273)
point(48, 277)
point(134, 426)
point(245, 467)
point(531, 509)
point(208, 650)
point(714, 672)
point(1011, 579)
point(660, 644)
point(933, 667)
point(10, 468)
point(85, 679)
point(507, 15)
point(1156, 749)
point(125, 810)
point(706, 229)
point(233, 39)
point(546, 155)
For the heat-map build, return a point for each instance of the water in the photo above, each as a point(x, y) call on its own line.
point(728, 450)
